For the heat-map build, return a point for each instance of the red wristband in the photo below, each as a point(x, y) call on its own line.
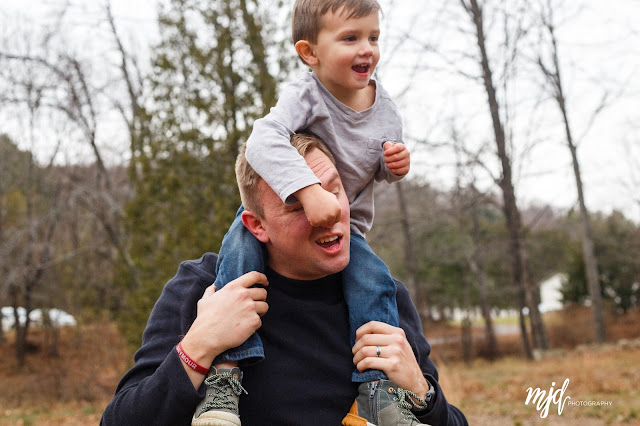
point(191, 363)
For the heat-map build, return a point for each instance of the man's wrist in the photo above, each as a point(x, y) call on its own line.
point(197, 351)
point(186, 359)
point(426, 402)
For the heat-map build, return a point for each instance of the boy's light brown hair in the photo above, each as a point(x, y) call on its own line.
point(249, 180)
point(306, 21)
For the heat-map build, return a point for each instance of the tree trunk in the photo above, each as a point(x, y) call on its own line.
point(21, 340)
point(512, 214)
point(588, 252)
point(409, 252)
point(476, 264)
point(467, 339)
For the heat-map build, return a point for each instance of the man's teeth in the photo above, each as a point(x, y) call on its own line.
point(327, 240)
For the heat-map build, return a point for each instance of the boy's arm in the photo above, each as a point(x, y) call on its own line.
point(271, 155)
point(320, 206)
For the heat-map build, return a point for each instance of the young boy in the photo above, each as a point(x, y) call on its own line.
point(341, 104)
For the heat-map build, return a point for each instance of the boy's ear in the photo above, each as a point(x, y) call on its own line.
point(254, 224)
point(307, 52)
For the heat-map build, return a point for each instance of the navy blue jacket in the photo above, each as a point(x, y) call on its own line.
point(305, 378)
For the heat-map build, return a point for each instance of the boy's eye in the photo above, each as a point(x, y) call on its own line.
point(373, 38)
point(350, 38)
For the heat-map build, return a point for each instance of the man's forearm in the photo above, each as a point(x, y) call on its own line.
point(165, 397)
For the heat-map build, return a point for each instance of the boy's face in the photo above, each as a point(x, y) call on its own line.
point(347, 51)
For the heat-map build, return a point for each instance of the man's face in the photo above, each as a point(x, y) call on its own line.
point(296, 249)
point(347, 51)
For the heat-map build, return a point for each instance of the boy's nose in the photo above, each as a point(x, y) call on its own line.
point(366, 49)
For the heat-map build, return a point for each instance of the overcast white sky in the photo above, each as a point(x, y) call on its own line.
point(600, 52)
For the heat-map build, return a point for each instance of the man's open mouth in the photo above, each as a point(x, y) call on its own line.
point(328, 241)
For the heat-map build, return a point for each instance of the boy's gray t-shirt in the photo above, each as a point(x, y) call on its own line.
point(354, 138)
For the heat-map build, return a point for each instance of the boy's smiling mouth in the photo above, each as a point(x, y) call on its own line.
point(361, 69)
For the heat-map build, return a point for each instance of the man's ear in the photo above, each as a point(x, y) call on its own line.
point(306, 52)
point(254, 224)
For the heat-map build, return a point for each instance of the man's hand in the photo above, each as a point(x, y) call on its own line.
point(396, 157)
point(226, 318)
point(396, 356)
point(321, 207)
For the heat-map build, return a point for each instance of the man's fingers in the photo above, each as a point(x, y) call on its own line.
point(372, 340)
point(209, 290)
point(249, 279)
point(376, 327)
point(258, 294)
point(261, 308)
point(371, 363)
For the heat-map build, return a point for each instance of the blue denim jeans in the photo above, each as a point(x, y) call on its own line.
point(240, 253)
point(370, 293)
point(369, 290)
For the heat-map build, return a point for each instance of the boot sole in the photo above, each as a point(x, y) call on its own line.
point(216, 419)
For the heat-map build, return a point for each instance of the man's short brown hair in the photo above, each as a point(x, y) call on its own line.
point(307, 15)
point(249, 180)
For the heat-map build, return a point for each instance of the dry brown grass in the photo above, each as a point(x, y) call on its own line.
point(70, 389)
point(495, 393)
point(74, 388)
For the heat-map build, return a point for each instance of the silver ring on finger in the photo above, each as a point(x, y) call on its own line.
point(378, 351)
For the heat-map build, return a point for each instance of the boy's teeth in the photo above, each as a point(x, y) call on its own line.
point(327, 240)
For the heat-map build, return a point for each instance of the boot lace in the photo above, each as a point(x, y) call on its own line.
point(406, 406)
point(225, 386)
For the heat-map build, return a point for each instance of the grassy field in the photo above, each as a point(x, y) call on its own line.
point(69, 389)
point(74, 387)
point(495, 393)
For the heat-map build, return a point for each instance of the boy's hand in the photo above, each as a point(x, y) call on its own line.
point(321, 207)
point(396, 157)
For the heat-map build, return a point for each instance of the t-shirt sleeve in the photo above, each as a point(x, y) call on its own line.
point(269, 150)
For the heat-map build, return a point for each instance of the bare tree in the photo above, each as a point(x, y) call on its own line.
point(409, 249)
point(59, 88)
point(33, 255)
point(518, 251)
point(68, 90)
point(468, 201)
point(550, 67)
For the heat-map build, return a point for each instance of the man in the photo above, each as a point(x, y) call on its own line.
point(305, 377)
